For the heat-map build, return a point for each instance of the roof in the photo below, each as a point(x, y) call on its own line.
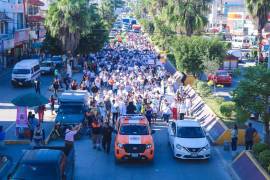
point(74, 95)
point(188, 123)
point(133, 119)
point(26, 63)
point(42, 156)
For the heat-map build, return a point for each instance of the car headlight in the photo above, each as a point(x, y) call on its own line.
point(120, 145)
point(178, 146)
point(205, 148)
point(148, 146)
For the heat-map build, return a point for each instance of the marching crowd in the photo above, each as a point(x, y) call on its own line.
point(127, 78)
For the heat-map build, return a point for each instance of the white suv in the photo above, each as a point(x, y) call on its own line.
point(188, 140)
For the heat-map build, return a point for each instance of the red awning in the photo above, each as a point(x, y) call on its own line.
point(35, 18)
point(36, 2)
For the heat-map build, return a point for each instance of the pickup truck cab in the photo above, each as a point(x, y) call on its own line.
point(133, 138)
point(72, 107)
point(45, 163)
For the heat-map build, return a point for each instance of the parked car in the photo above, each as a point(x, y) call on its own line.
point(133, 138)
point(25, 72)
point(58, 61)
point(47, 67)
point(45, 163)
point(221, 77)
point(188, 140)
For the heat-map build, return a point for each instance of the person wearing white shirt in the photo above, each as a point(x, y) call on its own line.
point(182, 110)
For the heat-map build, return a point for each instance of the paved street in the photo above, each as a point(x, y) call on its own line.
point(91, 164)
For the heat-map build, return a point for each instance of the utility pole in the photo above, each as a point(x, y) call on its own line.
point(268, 62)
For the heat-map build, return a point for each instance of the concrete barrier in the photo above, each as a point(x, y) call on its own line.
point(247, 167)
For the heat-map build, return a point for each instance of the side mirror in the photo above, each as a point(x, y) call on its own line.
point(153, 131)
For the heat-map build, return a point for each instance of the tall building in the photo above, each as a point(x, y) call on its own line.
point(231, 16)
point(14, 35)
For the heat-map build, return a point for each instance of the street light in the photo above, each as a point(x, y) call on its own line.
point(268, 63)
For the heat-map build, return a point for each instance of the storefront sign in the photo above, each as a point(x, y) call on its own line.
point(21, 36)
point(235, 16)
point(21, 119)
point(8, 44)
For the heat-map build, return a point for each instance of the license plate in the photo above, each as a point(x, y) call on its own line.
point(194, 154)
point(134, 155)
point(20, 83)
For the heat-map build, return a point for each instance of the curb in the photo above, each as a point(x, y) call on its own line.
point(227, 166)
point(12, 142)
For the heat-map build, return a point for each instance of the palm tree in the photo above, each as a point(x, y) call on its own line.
point(67, 20)
point(259, 10)
point(189, 15)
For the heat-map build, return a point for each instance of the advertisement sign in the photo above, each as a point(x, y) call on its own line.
point(8, 44)
point(235, 15)
point(21, 36)
point(21, 119)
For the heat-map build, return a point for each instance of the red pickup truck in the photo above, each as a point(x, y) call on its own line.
point(221, 77)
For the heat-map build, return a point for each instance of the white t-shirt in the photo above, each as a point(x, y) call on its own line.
point(69, 135)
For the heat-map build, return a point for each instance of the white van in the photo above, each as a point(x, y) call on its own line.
point(25, 72)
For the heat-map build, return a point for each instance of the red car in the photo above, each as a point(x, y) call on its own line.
point(221, 77)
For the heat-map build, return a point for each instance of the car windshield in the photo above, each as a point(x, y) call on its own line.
point(190, 132)
point(56, 59)
point(21, 71)
point(28, 171)
point(222, 73)
point(45, 64)
point(134, 129)
point(69, 109)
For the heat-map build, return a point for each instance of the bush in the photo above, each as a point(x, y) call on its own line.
point(236, 72)
point(226, 108)
point(264, 158)
point(203, 88)
point(258, 148)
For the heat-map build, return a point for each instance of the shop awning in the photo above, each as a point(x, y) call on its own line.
point(4, 17)
point(36, 2)
point(35, 18)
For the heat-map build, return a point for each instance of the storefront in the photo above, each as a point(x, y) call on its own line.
point(21, 42)
point(6, 46)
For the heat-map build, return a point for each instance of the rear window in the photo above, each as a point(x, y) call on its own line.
point(21, 71)
point(38, 171)
point(70, 109)
point(134, 129)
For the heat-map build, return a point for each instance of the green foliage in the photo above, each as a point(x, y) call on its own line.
point(264, 158)
point(69, 21)
point(196, 54)
point(259, 147)
point(171, 58)
point(227, 108)
point(203, 88)
point(252, 93)
point(51, 45)
point(241, 115)
point(236, 72)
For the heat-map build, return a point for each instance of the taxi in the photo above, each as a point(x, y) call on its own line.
point(133, 138)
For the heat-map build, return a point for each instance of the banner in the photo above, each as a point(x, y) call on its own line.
point(21, 119)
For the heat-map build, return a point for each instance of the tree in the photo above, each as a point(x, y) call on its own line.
point(51, 45)
point(252, 94)
point(195, 54)
point(259, 10)
point(68, 20)
point(107, 11)
point(190, 15)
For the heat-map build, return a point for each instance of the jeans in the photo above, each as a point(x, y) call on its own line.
point(166, 117)
point(234, 144)
point(114, 117)
point(249, 145)
point(106, 144)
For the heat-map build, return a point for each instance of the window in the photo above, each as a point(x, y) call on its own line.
point(36, 68)
point(2, 28)
point(19, 20)
point(20, 1)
